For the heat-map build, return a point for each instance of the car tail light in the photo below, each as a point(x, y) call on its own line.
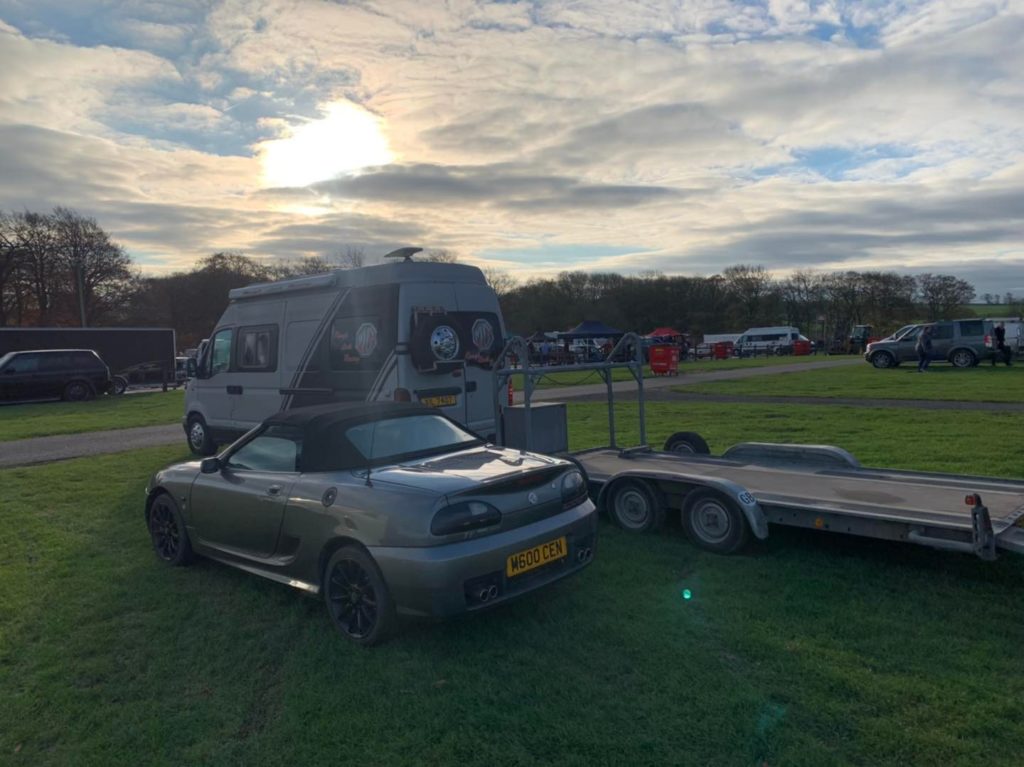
point(402, 395)
point(574, 489)
point(988, 341)
point(463, 517)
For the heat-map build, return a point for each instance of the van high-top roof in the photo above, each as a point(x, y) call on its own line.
point(379, 274)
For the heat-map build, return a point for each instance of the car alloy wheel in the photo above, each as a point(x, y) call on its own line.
point(963, 358)
point(76, 391)
point(357, 597)
point(167, 531)
point(882, 360)
point(164, 530)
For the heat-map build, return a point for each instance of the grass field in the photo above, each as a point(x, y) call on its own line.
point(942, 382)
point(808, 649)
point(44, 419)
point(696, 367)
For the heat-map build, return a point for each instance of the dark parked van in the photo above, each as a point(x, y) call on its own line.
point(69, 374)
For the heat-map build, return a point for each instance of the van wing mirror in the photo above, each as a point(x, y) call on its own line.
point(190, 367)
point(210, 465)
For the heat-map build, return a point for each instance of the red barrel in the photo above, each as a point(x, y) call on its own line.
point(722, 350)
point(801, 347)
point(664, 359)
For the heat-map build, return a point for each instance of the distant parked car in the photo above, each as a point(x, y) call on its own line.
point(69, 374)
point(962, 342)
point(382, 508)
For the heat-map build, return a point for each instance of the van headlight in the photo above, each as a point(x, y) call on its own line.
point(444, 343)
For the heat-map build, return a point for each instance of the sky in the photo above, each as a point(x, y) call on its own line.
point(532, 137)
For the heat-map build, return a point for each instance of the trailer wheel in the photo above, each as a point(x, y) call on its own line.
point(714, 522)
point(118, 385)
point(688, 442)
point(635, 506)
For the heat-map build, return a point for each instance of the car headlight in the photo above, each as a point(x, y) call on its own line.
point(574, 489)
point(444, 343)
point(462, 517)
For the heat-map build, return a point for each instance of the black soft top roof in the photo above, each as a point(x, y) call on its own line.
point(325, 447)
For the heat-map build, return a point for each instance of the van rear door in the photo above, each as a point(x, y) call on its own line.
point(485, 337)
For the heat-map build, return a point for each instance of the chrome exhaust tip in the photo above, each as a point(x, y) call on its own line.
point(484, 594)
point(492, 592)
point(583, 555)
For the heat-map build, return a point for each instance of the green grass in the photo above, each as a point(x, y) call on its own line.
point(45, 419)
point(808, 649)
point(685, 368)
point(942, 382)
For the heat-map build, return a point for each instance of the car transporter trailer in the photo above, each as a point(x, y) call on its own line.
point(723, 500)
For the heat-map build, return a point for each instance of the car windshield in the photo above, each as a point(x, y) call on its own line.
point(418, 436)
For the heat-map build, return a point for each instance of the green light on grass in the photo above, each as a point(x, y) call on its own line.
point(687, 594)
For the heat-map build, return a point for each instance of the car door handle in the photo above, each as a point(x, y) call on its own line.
point(234, 389)
point(274, 490)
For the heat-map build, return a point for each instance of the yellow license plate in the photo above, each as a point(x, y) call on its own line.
point(445, 400)
point(530, 559)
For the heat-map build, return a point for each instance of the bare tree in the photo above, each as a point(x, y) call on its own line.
point(440, 256)
point(349, 257)
point(500, 281)
point(942, 295)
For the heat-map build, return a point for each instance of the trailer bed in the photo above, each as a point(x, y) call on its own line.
point(899, 505)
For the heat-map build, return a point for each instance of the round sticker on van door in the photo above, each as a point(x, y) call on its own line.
point(483, 335)
point(366, 339)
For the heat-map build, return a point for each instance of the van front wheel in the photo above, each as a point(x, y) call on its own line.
point(199, 440)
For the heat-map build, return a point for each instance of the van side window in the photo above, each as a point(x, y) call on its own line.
point(257, 348)
point(220, 357)
point(355, 343)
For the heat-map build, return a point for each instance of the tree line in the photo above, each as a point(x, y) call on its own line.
point(62, 269)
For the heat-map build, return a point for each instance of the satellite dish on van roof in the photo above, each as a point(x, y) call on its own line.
point(405, 253)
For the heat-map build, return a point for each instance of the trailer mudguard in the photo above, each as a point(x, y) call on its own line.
point(739, 495)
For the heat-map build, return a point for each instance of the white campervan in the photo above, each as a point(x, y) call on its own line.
point(408, 331)
point(767, 340)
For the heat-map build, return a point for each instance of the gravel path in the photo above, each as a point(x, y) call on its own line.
point(23, 452)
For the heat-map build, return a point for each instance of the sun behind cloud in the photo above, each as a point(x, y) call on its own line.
point(346, 139)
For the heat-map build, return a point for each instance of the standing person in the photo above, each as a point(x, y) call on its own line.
point(924, 348)
point(1001, 347)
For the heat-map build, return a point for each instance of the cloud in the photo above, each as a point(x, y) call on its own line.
point(576, 134)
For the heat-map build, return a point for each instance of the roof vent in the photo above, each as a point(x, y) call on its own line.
point(404, 253)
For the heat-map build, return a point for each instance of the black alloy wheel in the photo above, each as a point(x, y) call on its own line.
point(357, 597)
point(77, 391)
point(167, 531)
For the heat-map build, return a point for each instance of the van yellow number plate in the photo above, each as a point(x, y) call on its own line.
point(445, 400)
point(530, 559)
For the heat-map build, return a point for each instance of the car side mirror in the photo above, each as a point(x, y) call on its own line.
point(210, 465)
point(190, 367)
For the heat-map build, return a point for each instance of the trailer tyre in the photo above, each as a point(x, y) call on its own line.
point(687, 442)
point(714, 522)
point(635, 506)
point(118, 385)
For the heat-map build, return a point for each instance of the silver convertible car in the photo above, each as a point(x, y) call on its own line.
point(386, 509)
